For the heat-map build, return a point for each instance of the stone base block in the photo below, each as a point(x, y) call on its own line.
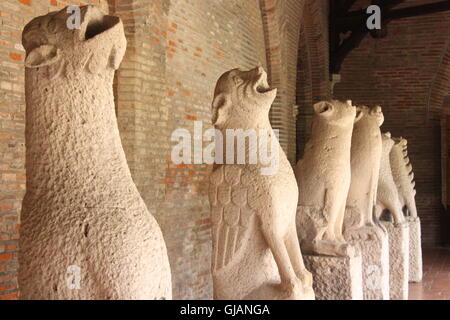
point(336, 278)
point(398, 260)
point(415, 250)
point(374, 246)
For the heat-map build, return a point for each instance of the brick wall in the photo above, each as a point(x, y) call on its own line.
point(407, 74)
point(176, 51)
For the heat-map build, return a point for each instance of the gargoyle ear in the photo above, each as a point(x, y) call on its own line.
point(237, 80)
point(42, 56)
point(220, 108)
point(359, 114)
point(323, 108)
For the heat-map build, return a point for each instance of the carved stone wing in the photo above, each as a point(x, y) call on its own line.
point(230, 213)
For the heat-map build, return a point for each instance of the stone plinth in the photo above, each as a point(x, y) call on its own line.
point(398, 260)
point(336, 278)
point(415, 250)
point(374, 247)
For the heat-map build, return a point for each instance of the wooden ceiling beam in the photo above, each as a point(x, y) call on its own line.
point(342, 21)
point(420, 10)
point(359, 17)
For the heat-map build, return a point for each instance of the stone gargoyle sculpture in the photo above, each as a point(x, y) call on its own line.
point(403, 176)
point(323, 176)
point(387, 193)
point(86, 232)
point(256, 254)
point(365, 167)
point(404, 180)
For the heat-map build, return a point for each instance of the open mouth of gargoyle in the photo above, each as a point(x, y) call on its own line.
point(95, 22)
point(261, 85)
point(99, 25)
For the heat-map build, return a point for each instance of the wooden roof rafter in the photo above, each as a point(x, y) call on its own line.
point(348, 28)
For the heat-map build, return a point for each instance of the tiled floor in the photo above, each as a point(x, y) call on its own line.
point(436, 276)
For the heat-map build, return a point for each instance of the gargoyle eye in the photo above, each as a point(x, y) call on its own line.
point(237, 80)
point(52, 26)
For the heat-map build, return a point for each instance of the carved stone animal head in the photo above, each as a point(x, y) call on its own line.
point(401, 142)
point(378, 113)
point(337, 113)
point(242, 97)
point(48, 39)
point(387, 142)
point(375, 112)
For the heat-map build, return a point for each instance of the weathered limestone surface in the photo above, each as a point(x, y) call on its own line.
point(336, 278)
point(398, 260)
point(415, 250)
point(323, 176)
point(374, 248)
point(256, 254)
point(82, 209)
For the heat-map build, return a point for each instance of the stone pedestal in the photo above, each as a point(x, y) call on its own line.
point(398, 260)
point(374, 247)
point(415, 250)
point(336, 278)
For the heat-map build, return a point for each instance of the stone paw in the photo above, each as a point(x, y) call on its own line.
point(365, 233)
point(296, 289)
point(345, 250)
point(307, 278)
point(333, 248)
